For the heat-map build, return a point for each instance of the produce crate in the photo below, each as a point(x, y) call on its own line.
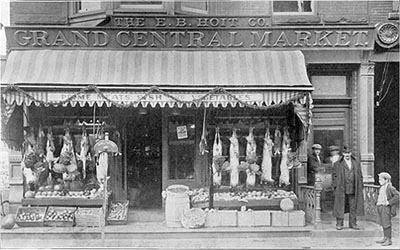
point(120, 207)
point(89, 217)
point(59, 223)
point(25, 211)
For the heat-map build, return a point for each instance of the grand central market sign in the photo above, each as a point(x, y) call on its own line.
point(192, 33)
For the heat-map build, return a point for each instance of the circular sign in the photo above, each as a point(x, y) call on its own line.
point(388, 35)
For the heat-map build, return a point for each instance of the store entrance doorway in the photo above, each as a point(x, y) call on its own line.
point(144, 165)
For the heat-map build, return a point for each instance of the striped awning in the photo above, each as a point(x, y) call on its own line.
point(256, 77)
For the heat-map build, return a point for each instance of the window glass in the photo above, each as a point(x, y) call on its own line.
point(142, 4)
point(328, 137)
point(87, 5)
point(200, 7)
point(181, 147)
point(298, 6)
point(329, 85)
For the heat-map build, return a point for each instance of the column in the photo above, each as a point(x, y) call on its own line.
point(365, 123)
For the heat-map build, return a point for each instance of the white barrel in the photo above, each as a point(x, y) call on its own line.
point(177, 201)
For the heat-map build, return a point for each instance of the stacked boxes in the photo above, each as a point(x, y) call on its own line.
point(262, 218)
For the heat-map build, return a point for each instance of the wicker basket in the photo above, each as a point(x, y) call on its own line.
point(124, 205)
point(39, 222)
point(60, 223)
point(89, 217)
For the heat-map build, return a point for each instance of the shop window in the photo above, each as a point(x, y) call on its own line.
point(181, 147)
point(293, 6)
point(335, 85)
point(83, 6)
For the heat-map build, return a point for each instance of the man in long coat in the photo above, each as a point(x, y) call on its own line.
point(348, 190)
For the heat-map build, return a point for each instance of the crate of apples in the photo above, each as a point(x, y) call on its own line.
point(30, 216)
point(60, 216)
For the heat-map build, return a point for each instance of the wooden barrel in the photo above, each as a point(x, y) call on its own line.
point(177, 201)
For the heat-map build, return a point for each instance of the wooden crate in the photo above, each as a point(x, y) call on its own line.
point(124, 220)
point(280, 218)
point(41, 211)
point(297, 218)
point(89, 217)
point(57, 223)
point(246, 219)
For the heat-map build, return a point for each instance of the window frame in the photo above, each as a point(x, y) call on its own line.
point(289, 13)
point(74, 11)
point(163, 7)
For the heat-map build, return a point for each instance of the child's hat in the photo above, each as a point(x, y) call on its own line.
point(385, 175)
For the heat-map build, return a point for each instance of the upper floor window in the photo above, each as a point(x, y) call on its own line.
point(293, 7)
point(142, 4)
point(86, 6)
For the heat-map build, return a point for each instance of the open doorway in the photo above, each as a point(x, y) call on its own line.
point(144, 159)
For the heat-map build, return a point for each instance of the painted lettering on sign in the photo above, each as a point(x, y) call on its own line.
point(205, 38)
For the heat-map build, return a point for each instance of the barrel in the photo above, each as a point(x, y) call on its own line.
point(177, 201)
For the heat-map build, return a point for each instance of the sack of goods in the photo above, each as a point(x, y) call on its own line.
point(193, 218)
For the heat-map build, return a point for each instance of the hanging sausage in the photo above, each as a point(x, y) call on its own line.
point(266, 164)
point(234, 159)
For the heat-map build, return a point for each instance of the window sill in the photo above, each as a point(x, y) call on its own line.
point(294, 19)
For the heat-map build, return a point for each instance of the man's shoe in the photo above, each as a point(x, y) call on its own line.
point(355, 228)
point(339, 228)
point(388, 242)
point(381, 241)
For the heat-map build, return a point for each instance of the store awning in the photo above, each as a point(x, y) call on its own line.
point(54, 77)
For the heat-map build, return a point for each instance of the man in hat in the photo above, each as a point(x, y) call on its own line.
point(334, 157)
point(314, 163)
point(387, 203)
point(348, 190)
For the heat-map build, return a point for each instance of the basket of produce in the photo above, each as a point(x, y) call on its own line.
point(30, 216)
point(60, 217)
point(89, 217)
point(118, 213)
point(193, 218)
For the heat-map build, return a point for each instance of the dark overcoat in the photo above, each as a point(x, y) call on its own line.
point(313, 166)
point(339, 188)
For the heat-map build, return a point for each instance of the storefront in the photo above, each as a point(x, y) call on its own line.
point(163, 85)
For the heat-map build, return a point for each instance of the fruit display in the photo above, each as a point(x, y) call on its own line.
point(53, 193)
point(201, 196)
point(118, 211)
point(60, 214)
point(30, 216)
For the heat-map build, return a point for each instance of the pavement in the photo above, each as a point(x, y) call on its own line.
point(325, 237)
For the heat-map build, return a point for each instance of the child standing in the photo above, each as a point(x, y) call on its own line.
point(388, 199)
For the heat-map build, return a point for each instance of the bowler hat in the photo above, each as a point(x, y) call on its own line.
point(385, 176)
point(346, 149)
point(316, 146)
point(333, 148)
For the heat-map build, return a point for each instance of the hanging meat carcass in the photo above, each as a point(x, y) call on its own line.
point(67, 162)
point(83, 155)
point(234, 159)
point(102, 167)
point(34, 167)
point(50, 148)
point(251, 146)
point(284, 177)
point(277, 141)
point(266, 164)
point(251, 157)
point(217, 151)
point(40, 145)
